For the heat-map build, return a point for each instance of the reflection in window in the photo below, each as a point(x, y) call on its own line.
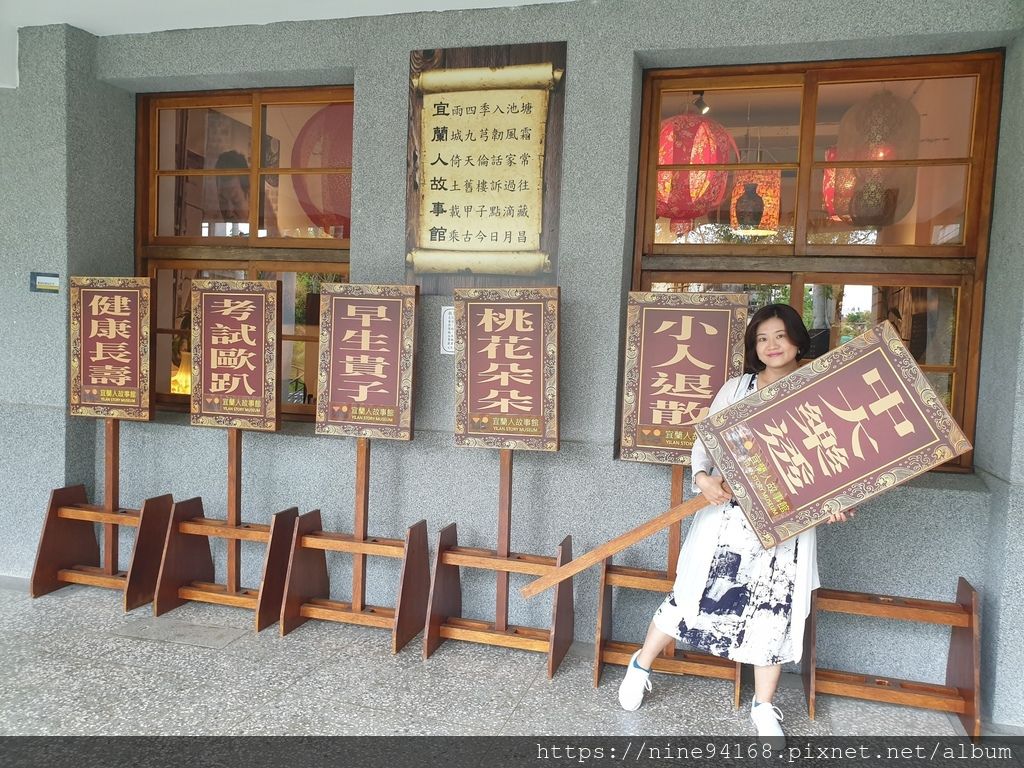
point(924, 317)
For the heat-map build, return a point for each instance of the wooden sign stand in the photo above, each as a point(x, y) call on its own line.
point(608, 651)
point(444, 611)
point(960, 695)
point(307, 586)
point(186, 569)
point(68, 551)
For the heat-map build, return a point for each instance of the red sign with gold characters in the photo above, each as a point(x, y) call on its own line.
point(110, 336)
point(847, 426)
point(367, 341)
point(506, 368)
point(235, 329)
point(680, 349)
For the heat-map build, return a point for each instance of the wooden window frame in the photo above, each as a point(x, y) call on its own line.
point(251, 254)
point(962, 266)
point(147, 173)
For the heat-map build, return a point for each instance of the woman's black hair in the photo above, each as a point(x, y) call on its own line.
point(795, 330)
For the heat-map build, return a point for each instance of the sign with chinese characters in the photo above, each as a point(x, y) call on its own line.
point(110, 337)
point(367, 341)
point(235, 329)
point(843, 428)
point(506, 368)
point(482, 176)
point(680, 349)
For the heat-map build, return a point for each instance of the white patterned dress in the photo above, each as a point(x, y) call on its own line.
point(733, 598)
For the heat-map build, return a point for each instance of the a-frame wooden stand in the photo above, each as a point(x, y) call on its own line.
point(960, 695)
point(444, 612)
point(307, 585)
point(608, 651)
point(186, 570)
point(68, 551)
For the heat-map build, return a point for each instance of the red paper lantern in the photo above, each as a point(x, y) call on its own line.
point(691, 139)
point(327, 134)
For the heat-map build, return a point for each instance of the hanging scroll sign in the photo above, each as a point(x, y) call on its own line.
point(841, 429)
point(481, 170)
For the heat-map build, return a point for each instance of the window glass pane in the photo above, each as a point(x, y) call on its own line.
point(925, 317)
point(298, 372)
point(942, 383)
point(316, 205)
point(300, 299)
point(748, 207)
point(895, 119)
point(892, 205)
point(174, 321)
point(203, 206)
point(758, 294)
point(206, 137)
point(747, 125)
point(307, 136)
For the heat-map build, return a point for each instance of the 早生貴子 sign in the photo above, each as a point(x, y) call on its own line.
point(367, 342)
point(845, 427)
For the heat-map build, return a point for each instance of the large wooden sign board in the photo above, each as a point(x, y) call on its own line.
point(110, 337)
point(506, 368)
point(236, 325)
point(367, 341)
point(680, 349)
point(842, 429)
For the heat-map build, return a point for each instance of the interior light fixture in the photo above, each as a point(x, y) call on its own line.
point(701, 105)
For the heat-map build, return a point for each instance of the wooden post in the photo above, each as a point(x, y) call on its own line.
point(111, 490)
point(234, 516)
point(675, 532)
point(360, 525)
point(504, 538)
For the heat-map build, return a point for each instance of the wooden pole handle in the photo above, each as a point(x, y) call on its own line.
point(619, 543)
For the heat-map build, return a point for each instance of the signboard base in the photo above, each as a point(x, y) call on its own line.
point(186, 568)
point(68, 552)
point(307, 586)
point(608, 651)
point(444, 611)
point(960, 695)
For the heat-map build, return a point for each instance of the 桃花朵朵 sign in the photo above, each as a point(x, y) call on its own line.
point(506, 364)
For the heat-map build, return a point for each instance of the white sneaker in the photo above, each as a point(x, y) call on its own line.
point(766, 719)
point(633, 686)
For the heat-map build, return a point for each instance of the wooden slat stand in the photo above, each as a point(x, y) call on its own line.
point(962, 692)
point(186, 569)
point(444, 612)
point(69, 553)
point(608, 651)
point(307, 585)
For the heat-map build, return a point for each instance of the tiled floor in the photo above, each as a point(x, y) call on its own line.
point(75, 664)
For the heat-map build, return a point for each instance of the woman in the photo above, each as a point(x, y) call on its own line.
point(733, 598)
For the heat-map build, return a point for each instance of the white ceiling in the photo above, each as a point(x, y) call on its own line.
point(115, 17)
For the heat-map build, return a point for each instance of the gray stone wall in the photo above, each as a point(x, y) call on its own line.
point(76, 97)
